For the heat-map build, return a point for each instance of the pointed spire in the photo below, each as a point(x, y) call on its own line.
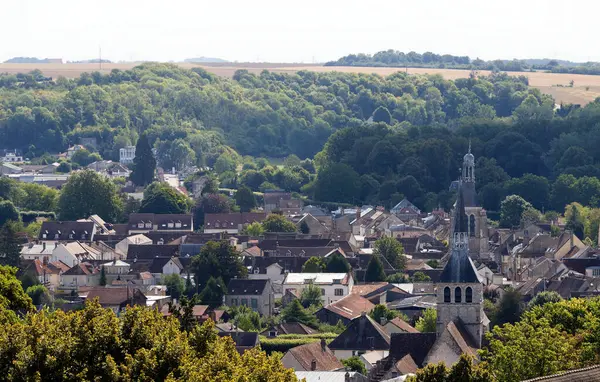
point(469, 145)
point(460, 217)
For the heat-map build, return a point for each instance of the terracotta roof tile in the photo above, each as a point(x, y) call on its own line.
point(319, 352)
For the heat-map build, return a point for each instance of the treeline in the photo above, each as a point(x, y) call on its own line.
point(394, 58)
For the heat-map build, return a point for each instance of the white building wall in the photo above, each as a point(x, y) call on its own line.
point(170, 268)
point(60, 253)
point(290, 362)
point(329, 296)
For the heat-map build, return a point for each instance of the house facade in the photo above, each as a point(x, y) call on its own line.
point(255, 294)
point(127, 154)
point(334, 286)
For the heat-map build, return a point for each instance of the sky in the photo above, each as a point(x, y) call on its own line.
point(296, 31)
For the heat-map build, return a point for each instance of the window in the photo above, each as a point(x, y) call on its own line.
point(322, 292)
point(140, 225)
point(595, 272)
point(472, 225)
point(446, 294)
point(245, 301)
point(339, 292)
point(70, 236)
point(178, 225)
point(457, 295)
point(170, 225)
point(44, 236)
point(234, 301)
point(149, 225)
point(83, 236)
point(217, 225)
point(56, 236)
point(469, 294)
point(273, 334)
point(254, 303)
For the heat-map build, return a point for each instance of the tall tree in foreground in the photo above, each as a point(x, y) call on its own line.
point(161, 198)
point(213, 292)
point(10, 247)
point(144, 163)
point(245, 199)
point(375, 270)
point(392, 250)
point(465, 370)
point(8, 212)
point(277, 223)
point(88, 193)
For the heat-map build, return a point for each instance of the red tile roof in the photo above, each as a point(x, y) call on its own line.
point(318, 352)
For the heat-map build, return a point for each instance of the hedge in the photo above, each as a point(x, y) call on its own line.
point(283, 345)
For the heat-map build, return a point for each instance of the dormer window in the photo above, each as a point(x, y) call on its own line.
point(337, 281)
point(70, 236)
point(56, 236)
point(170, 225)
point(44, 236)
point(149, 225)
point(217, 225)
point(178, 225)
point(141, 225)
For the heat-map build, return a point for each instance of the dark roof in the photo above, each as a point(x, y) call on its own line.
point(318, 352)
point(232, 220)
point(164, 237)
point(141, 251)
point(159, 262)
point(363, 333)
point(241, 287)
point(587, 374)
point(290, 328)
point(69, 230)
point(164, 222)
point(80, 270)
point(288, 263)
point(275, 197)
point(461, 223)
point(243, 340)
point(460, 267)
point(272, 244)
point(403, 325)
point(307, 251)
point(417, 345)
point(467, 190)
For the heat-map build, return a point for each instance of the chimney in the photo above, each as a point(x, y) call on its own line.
point(313, 365)
point(43, 246)
point(572, 240)
point(347, 377)
point(358, 213)
point(323, 344)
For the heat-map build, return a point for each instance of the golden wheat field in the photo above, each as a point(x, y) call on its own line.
point(586, 88)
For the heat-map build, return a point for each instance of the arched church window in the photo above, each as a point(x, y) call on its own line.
point(469, 294)
point(457, 295)
point(472, 225)
point(446, 294)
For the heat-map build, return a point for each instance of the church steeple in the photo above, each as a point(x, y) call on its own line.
point(468, 167)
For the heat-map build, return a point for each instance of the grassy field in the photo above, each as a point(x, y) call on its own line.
point(586, 88)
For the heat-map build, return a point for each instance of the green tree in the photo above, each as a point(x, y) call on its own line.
point(217, 260)
point(428, 321)
point(381, 311)
point(10, 246)
point(39, 295)
point(420, 277)
point(465, 370)
point(102, 276)
point(313, 265)
point(311, 296)
point(277, 223)
point(8, 212)
point(84, 157)
point(304, 228)
point(510, 307)
point(337, 263)
point(575, 219)
point(175, 285)
point(12, 295)
point(398, 278)
point(355, 364)
point(543, 298)
point(161, 198)
point(375, 270)
point(511, 210)
point(392, 250)
point(38, 197)
point(254, 229)
point(190, 289)
point(245, 199)
point(294, 312)
point(88, 193)
point(213, 292)
point(337, 182)
point(144, 163)
point(210, 204)
point(382, 114)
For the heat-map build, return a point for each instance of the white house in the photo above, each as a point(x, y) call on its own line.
point(74, 253)
point(127, 154)
point(37, 251)
point(82, 274)
point(11, 157)
point(116, 267)
point(333, 286)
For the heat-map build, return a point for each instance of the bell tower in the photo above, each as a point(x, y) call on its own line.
point(460, 290)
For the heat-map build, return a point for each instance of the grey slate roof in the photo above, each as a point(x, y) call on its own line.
point(363, 333)
point(242, 287)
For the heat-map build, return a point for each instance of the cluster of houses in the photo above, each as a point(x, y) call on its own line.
point(460, 255)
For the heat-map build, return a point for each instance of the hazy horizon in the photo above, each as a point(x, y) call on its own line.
point(312, 31)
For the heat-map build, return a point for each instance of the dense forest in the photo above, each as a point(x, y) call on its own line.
point(373, 139)
point(393, 58)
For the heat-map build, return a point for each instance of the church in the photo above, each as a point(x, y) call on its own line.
point(477, 227)
point(461, 321)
